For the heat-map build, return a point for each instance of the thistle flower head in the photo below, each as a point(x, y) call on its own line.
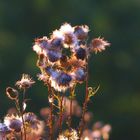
point(4, 129)
point(13, 122)
point(60, 81)
point(99, 45)
point(31, 119)
point(25, 82)
point(32, 123)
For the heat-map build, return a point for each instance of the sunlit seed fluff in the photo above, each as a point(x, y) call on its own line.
point(66, 28)
point(68, 135)
point(13, 122)
point(99, 45)
point(42, 77)
point(57, 34)
point(86, 138)
point(37, 49)
point(62, 137)
point(25, 82)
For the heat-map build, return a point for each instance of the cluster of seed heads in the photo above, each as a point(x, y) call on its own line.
point(62, 58)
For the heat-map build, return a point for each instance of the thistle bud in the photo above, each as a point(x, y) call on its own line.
point(12, 93)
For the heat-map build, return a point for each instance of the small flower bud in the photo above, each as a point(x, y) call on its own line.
point(12, 93)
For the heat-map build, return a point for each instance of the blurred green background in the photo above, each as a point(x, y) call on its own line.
point(116, 69)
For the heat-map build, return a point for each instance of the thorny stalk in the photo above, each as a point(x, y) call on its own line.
point(19, 111)
point(81, 124)
point(61, 114)
point(72, 95)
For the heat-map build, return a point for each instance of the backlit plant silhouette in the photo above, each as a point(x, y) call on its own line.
point(63, 61)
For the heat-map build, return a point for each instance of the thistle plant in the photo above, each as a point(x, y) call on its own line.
point(63, 60)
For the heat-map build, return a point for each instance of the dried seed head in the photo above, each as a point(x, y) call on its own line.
point(98, 45)
point(65, 55)
point(12, 93)
point(25, 82)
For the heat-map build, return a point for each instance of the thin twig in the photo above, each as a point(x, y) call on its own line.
point(24, 127)
point(61, 114)
point(72, 95)
point(51, 92)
